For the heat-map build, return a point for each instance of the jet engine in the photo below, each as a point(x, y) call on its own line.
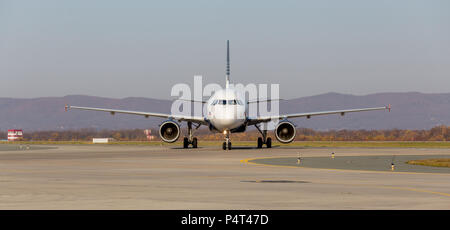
point(169, 131)
point(285, 132)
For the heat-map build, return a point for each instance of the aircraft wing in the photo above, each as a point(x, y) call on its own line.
point(194, 119)
point(309, 115)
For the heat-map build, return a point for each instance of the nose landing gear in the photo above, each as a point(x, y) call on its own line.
point(264, 139)
point(227, 143)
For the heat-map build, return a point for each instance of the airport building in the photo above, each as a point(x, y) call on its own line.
point(102, 140)
point(15, 134)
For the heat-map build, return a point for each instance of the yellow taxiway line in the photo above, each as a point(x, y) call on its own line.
point(249, 161)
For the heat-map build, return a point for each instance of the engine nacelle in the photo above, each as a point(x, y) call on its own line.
point(285, 132)
point(169, 131)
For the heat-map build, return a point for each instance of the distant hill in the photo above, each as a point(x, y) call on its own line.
point(409, 111)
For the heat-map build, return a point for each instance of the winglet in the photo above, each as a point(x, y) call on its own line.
point(66, 107)
point(389, 107)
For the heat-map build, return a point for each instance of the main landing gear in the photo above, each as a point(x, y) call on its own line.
point(190, 139)
point(264, 139)
point(227, 143)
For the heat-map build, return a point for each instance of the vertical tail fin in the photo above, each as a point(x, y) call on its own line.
point(227, 83)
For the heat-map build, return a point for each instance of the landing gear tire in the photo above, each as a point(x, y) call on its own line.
point(229, 145)
point(224, 146)
point(194, 143)
point(260, 142)
point(185, 143)
point(269, 143)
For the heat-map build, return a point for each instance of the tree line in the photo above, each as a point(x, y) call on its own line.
point(438, 133)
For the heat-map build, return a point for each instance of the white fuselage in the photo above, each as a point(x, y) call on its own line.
point(226, 110)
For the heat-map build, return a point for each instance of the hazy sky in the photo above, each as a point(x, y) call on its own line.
point(142, 48)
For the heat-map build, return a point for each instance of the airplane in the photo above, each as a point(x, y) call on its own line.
point(226, 113)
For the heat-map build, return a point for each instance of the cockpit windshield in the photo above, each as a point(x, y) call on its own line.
point(227, 102)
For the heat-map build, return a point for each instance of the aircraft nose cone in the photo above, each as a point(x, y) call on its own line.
point(226, 121)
